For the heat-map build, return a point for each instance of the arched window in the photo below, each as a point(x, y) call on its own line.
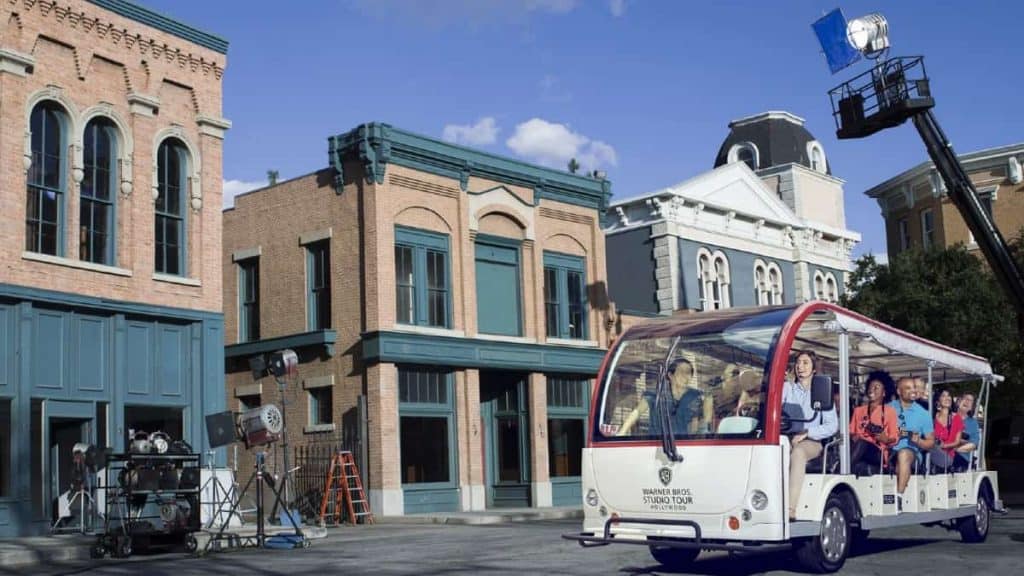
point(97, 228)
point(47, 180)
point(816, 155)
point(745, 152)
point(172, 194)
point(722, 299)
point(831, 289)
point(704, 279)
point(819, 285)
point(761, 285)
point(775, 283)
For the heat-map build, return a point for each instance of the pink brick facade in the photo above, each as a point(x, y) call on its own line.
point(360, 222)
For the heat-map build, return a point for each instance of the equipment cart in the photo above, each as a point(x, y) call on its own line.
point(151, 499)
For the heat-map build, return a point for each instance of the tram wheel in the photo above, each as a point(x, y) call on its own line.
point(827, 551)
point(974, 528)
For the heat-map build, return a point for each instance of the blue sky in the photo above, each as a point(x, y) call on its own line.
point(643, 89)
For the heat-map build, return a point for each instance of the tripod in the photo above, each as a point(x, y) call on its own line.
point(85, 501)
point(259, 476)
point(218, 489)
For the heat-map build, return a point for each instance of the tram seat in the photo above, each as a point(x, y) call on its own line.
point(829, 458)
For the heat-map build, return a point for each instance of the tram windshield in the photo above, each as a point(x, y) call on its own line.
point(705, 378)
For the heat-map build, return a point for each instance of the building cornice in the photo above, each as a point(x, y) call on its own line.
point(971, 161)
point(769, 115)
point(376, 145)
point(154, 19)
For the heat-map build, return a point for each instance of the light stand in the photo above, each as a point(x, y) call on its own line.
point(218, 489)
point(81, 490)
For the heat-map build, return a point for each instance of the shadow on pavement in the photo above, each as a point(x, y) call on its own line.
point(747, 564)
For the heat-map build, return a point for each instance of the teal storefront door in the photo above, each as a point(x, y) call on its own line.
point(503, 408)
point(64, 425)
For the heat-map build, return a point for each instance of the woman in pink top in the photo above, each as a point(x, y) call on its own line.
point(949, 429)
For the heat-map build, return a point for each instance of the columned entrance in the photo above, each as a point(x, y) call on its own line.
point(505, 418)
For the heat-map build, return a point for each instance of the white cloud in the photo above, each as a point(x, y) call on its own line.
point(617, 7)
point(233, 188)
point(485, 131)
point(553, 145)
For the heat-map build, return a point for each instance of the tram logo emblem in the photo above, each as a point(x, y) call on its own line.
point(665, 475)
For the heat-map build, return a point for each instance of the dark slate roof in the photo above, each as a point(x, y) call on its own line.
point(780, 138)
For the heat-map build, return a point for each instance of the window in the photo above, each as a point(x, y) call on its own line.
point(903, 229)
point(497, 286)
point(774, 284)
point(713, 271)
point(427, 426)
point(745, 152)
point(318, 285)
point(421, 278)
point(568, 401)
point(320, 409)
point(565, 301)
point(98, 191)
point(986, 197)
point(44, 210)
point(172, 190)
point(819, 285)
point(831, 289)
point(762, 295)
point(816, 155)
point(249, 300)
point(249, 402)
point(927, 228)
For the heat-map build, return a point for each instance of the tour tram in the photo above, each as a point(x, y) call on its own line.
point(718, 477)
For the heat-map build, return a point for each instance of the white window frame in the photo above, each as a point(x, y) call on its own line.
point(903, 231)
point(819, 285)
point(775, 284)
point(762, 293)
point(927, 230)
point(734, 153)
point(815, 147)
point(992, 193)
point(831, 288)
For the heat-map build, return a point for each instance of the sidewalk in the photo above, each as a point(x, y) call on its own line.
point(499, 516)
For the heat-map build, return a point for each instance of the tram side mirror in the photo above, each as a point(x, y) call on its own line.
point(821, 393)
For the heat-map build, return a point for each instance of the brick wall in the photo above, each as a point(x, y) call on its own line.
point(151, 84)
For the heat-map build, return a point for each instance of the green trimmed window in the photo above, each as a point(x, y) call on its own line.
point(318, 285)
point(249, 300)
point(97, 229)
point(422, 278)
point(47, 183)
point(568, 401)
point(172, 193)
point(565, 296)
point(498, 294)
point(426, 427)
point(320, 411)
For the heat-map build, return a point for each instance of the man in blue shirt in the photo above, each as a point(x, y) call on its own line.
point(972, 431)
point(806, 438)
point(686, 405)
point(917, 432)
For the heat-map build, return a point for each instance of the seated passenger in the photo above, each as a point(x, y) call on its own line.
point(686, 405)
point(807, 428)
point(972, 431)
point(948, 432)
point(921, 392)
point(873, 427)
point(916, 434)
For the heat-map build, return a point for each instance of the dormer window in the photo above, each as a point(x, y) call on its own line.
point(816, 156)
point(745, 152)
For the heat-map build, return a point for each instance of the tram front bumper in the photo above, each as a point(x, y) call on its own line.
point(590, 539)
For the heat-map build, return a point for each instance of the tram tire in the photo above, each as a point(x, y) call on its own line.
point(675, 558)
point(974, 528)
point(860, 539)
point(826, 552)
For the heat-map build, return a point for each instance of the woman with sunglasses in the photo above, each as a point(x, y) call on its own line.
point(873, 427)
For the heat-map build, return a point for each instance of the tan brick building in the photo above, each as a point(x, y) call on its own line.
point(919, 214)
point(457, 296)
point(110, 231)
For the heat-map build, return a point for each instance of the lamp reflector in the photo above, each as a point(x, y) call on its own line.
point(831, 30)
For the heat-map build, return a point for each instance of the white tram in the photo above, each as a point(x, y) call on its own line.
point(717, 476)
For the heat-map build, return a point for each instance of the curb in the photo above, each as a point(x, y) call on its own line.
point(482, 518)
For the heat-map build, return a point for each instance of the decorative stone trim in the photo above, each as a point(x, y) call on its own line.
point(571, 342)
point(80, 264)
point(176, 279)
point(212, 126)
point(318, 382)
point(240, 255)
point(15, 62)
point(249, 390)
point(316, 236)
point(428, 330)
point(143, 104)
point(318, 428)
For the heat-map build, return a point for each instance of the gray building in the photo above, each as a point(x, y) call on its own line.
point(765, 226)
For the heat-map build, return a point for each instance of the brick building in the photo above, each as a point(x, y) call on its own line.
point(458, 296)
point(918, 213)
point(110, 281)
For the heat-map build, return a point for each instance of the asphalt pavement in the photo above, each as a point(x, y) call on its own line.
point(537, 548)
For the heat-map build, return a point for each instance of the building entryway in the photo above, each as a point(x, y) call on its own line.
point(506, 424)
point(61, 425)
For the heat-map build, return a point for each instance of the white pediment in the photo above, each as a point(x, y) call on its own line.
point(735, 188)
point(500, 199)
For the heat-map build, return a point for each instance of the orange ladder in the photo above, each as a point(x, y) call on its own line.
point(344, 486)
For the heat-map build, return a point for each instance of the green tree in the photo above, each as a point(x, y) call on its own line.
point(951, 297)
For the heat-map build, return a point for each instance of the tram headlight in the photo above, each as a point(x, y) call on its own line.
point(758, 500)
point(592, 497)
